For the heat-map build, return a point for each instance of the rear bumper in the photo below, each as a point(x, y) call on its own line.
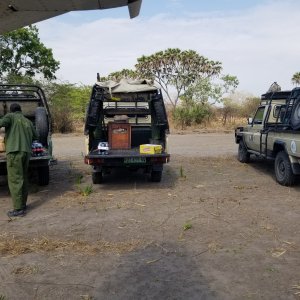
point(129, 159)
point(34, 161)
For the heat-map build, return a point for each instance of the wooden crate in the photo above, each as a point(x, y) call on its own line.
point(119, 135)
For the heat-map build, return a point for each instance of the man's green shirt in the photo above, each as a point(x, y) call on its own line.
point(19, 132)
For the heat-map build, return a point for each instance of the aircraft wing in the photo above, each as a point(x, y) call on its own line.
point(19, 13)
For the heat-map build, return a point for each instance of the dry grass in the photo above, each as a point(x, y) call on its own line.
point(98, 201)
point(26, 270)
point(13, 246)
point(214, 125)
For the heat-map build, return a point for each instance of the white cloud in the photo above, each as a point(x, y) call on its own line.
point(259, 46)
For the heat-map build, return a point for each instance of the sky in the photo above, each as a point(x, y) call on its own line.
point(257, 41)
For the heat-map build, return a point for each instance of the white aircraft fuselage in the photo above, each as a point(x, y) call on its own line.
point(19, 13)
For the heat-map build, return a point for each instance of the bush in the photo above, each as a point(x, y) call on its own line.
point(250, 106)
point(62, 119)
point(67, 103)
point(191, 113)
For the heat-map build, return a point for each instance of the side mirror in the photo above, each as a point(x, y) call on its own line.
point(250, 120)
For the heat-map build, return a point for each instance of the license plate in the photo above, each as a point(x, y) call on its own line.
point(134, 160)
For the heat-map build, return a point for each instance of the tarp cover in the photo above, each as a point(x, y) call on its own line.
point(127, 86)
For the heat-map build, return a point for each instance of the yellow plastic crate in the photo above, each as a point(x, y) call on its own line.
point(150, 149)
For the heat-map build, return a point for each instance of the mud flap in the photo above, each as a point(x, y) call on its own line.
point(295, 165)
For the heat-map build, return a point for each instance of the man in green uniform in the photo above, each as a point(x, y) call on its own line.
point(19, 134)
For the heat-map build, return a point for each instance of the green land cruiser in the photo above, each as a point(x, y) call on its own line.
point(126, 127)
point(34, 106)
point(274, 133)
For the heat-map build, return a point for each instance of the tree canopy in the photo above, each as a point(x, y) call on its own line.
point(23, 54)
point(118, 75)
point(296, 78)
point(177, 69)
point(204, 90)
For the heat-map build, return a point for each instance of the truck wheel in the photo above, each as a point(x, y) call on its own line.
point(243, 154)
point(156, 176)
point(41, 125)
point(43, 175)
point(295, 118)
point(283, 169)
point(97, 177)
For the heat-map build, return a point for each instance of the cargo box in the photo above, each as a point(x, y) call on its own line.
point(150, 149)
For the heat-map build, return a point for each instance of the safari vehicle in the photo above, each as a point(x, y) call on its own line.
point(34, 106)
point(126, 127)
point(274, 133)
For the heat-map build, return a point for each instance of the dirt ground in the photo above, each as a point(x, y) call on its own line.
point(212, 229)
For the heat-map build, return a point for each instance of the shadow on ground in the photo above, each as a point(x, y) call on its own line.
point(266, 167)
point(154, 272)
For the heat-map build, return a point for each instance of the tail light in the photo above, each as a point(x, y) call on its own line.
point(93, 161)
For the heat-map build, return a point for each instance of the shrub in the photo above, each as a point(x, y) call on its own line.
point(191, 113)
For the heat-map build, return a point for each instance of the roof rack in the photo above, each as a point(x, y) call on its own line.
point(285, 111)
point(276, 95)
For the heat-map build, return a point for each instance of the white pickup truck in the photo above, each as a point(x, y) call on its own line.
point(274, 133)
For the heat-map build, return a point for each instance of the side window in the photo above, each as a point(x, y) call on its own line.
point(278, 112)
point(258, 118)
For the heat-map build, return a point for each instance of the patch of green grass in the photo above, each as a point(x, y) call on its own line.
point(181, 173)
point(3, 297)
point(78, 179)
point(271, 269)
point(86, 190)
point(187, 226)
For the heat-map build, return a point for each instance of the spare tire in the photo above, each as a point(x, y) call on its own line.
point(42, 125)
point(295, 117)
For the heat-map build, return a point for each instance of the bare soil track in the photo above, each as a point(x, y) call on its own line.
point(212, 229)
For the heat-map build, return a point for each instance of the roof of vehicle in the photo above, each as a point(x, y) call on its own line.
point(276, 95)
point(127, 86)
point(281, 94)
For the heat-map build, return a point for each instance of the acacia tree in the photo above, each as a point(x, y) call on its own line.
point(204, 90)
point(197, 102)
point(117, 76)
point(177, 70)
point(23, 54)
point(296, 78)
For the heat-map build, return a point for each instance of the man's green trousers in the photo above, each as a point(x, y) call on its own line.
point(17, 175)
